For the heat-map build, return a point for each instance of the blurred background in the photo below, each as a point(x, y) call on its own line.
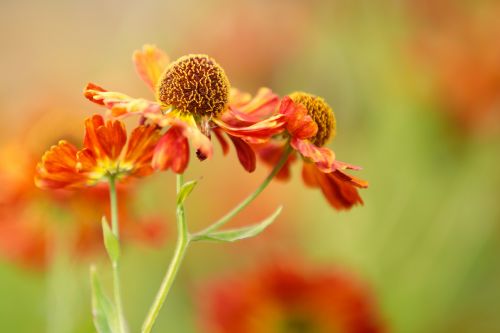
point(415, 86)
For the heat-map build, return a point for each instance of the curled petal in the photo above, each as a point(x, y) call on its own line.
point(57, 168)
point(172, 151)
point(299, 124)
point(256, 133)
point(246, 155)
point(322, 157)
point(204, 148)
point(118, 104)
point(150, 62)
point(246, 110)
point(337, 187)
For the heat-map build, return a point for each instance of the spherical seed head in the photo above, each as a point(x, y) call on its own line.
point(194, 84)
point(321, 113)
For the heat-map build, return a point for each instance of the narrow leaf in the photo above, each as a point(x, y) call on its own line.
point(233, 235)
point(111, 243)
point(103, 311)
point(185, 191)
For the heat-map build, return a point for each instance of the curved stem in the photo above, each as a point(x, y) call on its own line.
point(115, 263)
point(226, 218)
point(182, 244)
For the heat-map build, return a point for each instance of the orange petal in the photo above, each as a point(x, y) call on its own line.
point(256, 133)
point(112, 138)
point(243, 108)
point(172, 151)
point(322, 157)
point(309, 175)
point(150, 62)
point(337, 187)
point(118, 104)
point(270, 153)
point(222, 140)
point(140, 149)
point(246, 155)
point(299, 124)
point(58, 168)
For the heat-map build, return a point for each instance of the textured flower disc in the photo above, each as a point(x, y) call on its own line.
point(195, 84)
point(321, 113)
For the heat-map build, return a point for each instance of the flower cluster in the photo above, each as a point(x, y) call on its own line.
point(193, 100)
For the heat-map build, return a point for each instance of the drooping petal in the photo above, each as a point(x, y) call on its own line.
point(150, 62)
point(337, 187)
point(309, 175)
point(354, 181)
point(244, 110)
point(222, 140)
point(270, 153)
point(118, 104)
point(172, 151)
point(57, 168)
point(299, 124)
point(245, 153)
point(322, 157)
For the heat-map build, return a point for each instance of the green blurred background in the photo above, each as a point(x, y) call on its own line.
point(416, 90)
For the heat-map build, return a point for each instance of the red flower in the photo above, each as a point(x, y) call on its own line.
point(286, 298)
point(103, 154)
point(310, 123)
point(193, 99)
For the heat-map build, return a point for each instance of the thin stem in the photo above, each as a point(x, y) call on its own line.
point(183, 239)
point(115, 263)
point(226, 218)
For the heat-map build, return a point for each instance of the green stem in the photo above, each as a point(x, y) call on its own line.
point(115, 263)
point(183, 239)
point(226, 218)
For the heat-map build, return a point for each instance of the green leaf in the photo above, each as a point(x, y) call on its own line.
point(233, 235)
point(111, 243)
point(185, 191)
point(103, 311)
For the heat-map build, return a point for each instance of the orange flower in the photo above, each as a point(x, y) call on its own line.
point(289, 298)
point(310, 123)
point(28, 234)
point(103, 155)
point(192, 97)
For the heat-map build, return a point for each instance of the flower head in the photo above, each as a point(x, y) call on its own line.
point(193, 100)
point(103, 155)
point(194, 84)
point(321, 114)
point(310, 123)
point(289, 298)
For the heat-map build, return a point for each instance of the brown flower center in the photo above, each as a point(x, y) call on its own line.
point(194, 84)
point(321, 113)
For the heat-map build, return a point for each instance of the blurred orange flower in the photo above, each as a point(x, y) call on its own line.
point(191, 95)
point(459, 43)
point(310, 123)
point(289, 298)
point(103, 155)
